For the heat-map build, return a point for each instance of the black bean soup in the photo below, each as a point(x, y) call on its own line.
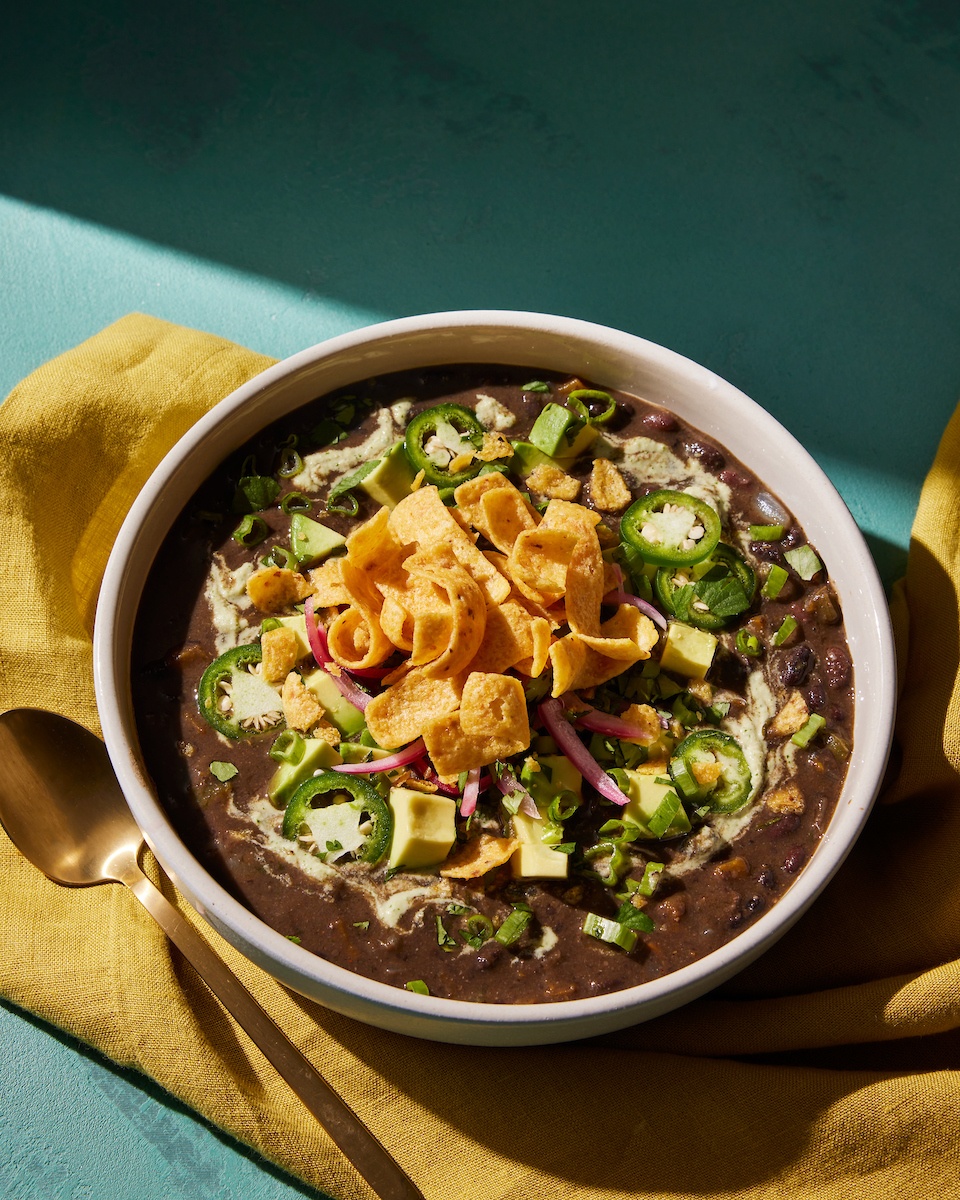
point(607, 672)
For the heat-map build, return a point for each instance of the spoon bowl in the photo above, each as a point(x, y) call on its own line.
point(60, 801)
point(64, 810)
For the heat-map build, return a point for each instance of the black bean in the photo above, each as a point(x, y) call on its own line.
point(660, 420)
point(754, 904)
point(709, 455)
point(786, 824)
point(729, 671)
point(795, 860)
point(767, 879)
point(816, 697)
point(768, 552)
point(733, 478)
point(797, 665)
point(836, 665)
point(489, 954)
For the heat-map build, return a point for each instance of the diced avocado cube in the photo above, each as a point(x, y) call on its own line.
point(688, 651)
point(647, 792)
point(550, 426)
point(310, 541)
point(318, 755)
point(390, 479)
point(298, 623)
point(526, 458)
point(424, 828)
point(356, 752)
point(581, 443)
point(346, 716)
point(563, 774)
point(533, 858)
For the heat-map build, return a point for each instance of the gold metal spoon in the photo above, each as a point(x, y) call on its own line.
point(62, 807)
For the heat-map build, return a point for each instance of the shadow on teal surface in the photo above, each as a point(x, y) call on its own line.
point(162, 1127)
point(768, 189)
point(891, 560)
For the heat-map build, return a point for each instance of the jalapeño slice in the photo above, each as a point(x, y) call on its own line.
point(671, 529)
point(322, 791)
point(436, 437)
point(234, 699)
point(710, 769)
point(710, 593)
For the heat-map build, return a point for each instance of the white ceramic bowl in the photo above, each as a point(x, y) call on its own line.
point(610, 358)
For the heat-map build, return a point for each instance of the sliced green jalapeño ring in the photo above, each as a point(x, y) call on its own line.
point(359, 793)
point(455, 429)
point(710, 593)
point(694, 770)
point(234, 699)
point(671, 529)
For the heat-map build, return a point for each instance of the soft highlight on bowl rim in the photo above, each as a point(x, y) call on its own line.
point(607, 357)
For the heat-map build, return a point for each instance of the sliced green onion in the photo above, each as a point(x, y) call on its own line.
point(279, 556)
point(579, 399)
point(651, 878)
point(295, 502)
point(536, 386)
point(805, 735)
point(767, 533)
point(804, 561)
point(774, 582)
point(290, 461)
point(605, 930)
point(477, 929)
point(563, 806)
point(683, 779)
point(620, 831)
point(748, 644)
point(251, 531)
point(288, 747)
point(788, 626)
point(418, 986)
point(363, 926)
point(617, 861)
point(512, 928)
point(223, 771)
point(662, 819)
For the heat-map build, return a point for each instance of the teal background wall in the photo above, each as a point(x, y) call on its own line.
point(768, 187)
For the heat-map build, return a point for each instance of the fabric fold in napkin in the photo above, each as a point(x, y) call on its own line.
point(828, 1069)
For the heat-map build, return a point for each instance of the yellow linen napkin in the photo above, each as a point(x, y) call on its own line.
point(714, 1100)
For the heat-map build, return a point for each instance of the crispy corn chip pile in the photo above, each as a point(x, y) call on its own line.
point(413, 580)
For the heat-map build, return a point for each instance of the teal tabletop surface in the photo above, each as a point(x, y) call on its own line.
point(768, 188)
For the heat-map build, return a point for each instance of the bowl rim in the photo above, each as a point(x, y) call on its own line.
point(431, 1016)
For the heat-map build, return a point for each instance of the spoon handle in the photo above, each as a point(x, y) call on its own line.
point(341, 1123)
